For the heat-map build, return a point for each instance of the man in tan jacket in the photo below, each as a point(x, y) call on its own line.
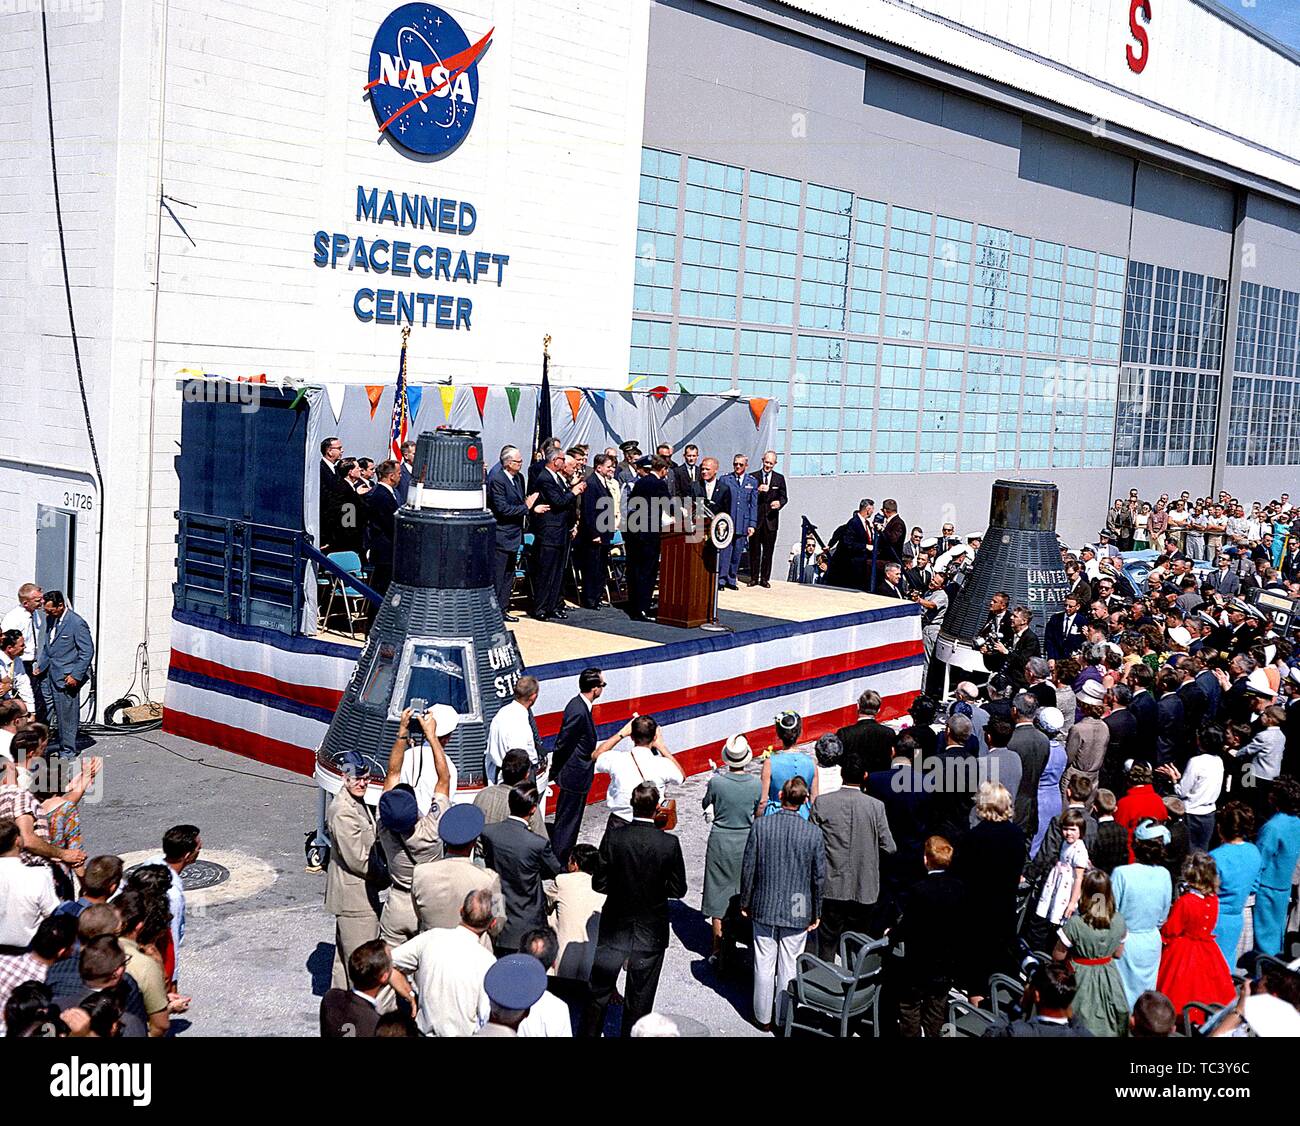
point(348, 896)
point(439, 887)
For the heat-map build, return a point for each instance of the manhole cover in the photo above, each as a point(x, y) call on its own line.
point(204, 874)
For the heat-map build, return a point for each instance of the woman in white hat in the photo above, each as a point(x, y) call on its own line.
point(733, 795)
point(1051, 723)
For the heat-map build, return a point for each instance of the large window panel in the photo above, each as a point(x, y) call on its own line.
point(764, 364)
point(823, 286)
point(1045, 298)
point(908, 273)
point(1207, 419)
point(1247, 327)
point(1283, 393)
point(771, 243)
point(656, 241)
point(941, 410)
point(1285, 363)
point(1216, 290)
point(1190, 300)
point(869, 230)
point(950, 281)
point(1128, 420)
point(899, 401)
point(1261, 405)
point(1077, 312)
point(1137, 312)
point(1099, 435)
point(704, 357)
point(1155, 419)
point(1181, 413)
point(859, 406)
point(651, 344)
point(815, 424)
point(711, 242)
point(1266, 336)
point(1164, 313)
point(979, 415)
point(1108, 313)
point(1239, 420)
point(1069, 388)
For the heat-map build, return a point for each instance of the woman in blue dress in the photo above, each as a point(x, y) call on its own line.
point(1050, 721)
point(785, 762)
point(1279, 849)
point(1143, 894)
point(1239, 862)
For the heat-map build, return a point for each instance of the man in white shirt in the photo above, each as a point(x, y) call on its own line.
point(27, 894)
point(549, 1016)
point(28, 617)
point(514, 729)
point(181, 847)
point(444, 968)
point(14, 681)
point(628, 769)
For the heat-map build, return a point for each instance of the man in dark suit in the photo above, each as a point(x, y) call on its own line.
point(711, 489)
point(333, 494)
point(891, 584)
point(379, 507)
point(67, 653)
point(1195, 704)
point(850, 565)
point(1171, 729)
point(1143, 706)
point(893, 534)
point(917, 577)
point(538, 465)
point(772, 497)
point(406, 465)
point(1063, 635)
point(641, 869)
point(523, 860)
point(997, 626)
point(551, 523)
point(688, 473)
point(1011, 656)
point(348, 1013)
point(1224, 580)
point(868, 739)
point(508, 503)
point(596, 529)
point(1122, 725)
point(645, 509)
point(571, 762)
point(932, 961)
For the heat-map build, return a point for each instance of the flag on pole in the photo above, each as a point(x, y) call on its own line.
point(401, 408)
point(543, 429)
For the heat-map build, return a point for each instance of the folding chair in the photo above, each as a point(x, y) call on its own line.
point(965, 1022)
point(350, 562)
point(833, 996)
point(1004, 995)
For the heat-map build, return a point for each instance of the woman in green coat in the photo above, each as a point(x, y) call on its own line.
point(1092, 938)
point(733, 795)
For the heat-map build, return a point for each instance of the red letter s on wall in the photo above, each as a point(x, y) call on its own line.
point(1137, 62)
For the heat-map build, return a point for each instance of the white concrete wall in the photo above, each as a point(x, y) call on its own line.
point(257, 108)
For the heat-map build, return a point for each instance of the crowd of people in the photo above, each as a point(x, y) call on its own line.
point(1059, 835)
point(593, 520)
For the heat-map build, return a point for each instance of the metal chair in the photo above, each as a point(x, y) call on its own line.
point(350, 562)
point(966, 1022)
point(526, 561)
point(1211, 1014)
point(835, 996)
point(1004, 995)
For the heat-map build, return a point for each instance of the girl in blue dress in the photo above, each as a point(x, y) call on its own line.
point(785, 762)
point(1279, 849)
point(1238, 862)
point(1143, 894)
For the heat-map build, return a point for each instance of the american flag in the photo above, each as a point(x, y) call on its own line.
point(401, 411)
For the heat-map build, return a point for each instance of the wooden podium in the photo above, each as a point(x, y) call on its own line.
point(687, 576)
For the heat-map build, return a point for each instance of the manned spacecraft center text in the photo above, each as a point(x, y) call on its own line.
point(404, 257)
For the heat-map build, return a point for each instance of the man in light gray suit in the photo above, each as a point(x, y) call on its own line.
point(66, 656)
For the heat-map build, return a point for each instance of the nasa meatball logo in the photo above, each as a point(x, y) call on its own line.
point(423, 79)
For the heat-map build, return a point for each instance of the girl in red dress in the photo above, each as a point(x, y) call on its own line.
point(1141, 802)
point(1192, 967)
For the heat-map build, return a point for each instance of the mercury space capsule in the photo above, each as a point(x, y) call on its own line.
point(1020, 555)
point(439, 635)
